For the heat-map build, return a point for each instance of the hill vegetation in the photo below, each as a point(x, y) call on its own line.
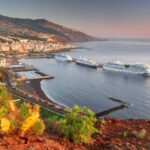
point(40, 29)
point(27, 126)
point(21, 121)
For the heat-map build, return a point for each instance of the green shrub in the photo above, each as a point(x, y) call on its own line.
point(53, 125)
point(125, 134)
point(78, 124)
point(31, 120)
point(24, 110)
point(140, 134)
point(4, 99)
point(38, 127)
point(23, 119)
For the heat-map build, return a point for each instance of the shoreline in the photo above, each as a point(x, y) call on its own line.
point(38, 89)
point(35, 87)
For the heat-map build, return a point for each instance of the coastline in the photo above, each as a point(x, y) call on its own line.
point(49, 97)
point(37, 87)
point(114, 132)
point(34, 87)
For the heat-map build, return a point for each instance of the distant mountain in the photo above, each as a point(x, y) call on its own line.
point(40, 29)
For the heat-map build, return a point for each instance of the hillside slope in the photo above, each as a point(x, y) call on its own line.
point(40, 29)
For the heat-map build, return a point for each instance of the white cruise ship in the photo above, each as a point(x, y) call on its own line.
point(135, 69)
point(63, 57)
point(87, 62)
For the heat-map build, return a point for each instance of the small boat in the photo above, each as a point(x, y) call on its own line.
point(135, 69)
point(87, 62)
point(63, 57)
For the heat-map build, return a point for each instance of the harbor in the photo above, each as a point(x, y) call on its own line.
point(30, 91)
point(33, 75)
point(26, 72)
point(33, 93)
point(89, 82)
point(85, 86)
point(79, 61)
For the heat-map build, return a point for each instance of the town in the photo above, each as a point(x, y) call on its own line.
point(26, 46)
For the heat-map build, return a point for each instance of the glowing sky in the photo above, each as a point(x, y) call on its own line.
point(103, 18)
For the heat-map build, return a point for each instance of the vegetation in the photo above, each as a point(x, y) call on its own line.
point(47, 115)
point(23, 120)
point(1, 76)
point(78, 124)
point(140, 134)
point(51, 121)
point(125, 134)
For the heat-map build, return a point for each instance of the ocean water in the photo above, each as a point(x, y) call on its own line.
point(74, 84)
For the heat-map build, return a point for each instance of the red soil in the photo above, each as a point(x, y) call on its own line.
point(110, 137)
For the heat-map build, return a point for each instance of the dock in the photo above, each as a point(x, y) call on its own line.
point(21, 67)
point(38, 78)
point(24, 72)
point(33, 75)
point(25, 69)
point(37, 56)
point(109, 111)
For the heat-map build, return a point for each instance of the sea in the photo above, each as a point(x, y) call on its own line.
point(94, 88)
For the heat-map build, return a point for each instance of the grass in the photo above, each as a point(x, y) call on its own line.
point(45, 114)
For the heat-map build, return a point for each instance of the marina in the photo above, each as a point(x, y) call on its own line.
point(84, 84)
point(93, 88)
point(33, 75)
point(23, 72)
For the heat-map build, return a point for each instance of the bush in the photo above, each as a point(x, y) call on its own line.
point(125, 134)
point(140, 134)
point(53, 125)
point(24, 119)
point(51, 120)
point(78, 124)
point(5, 125)
point(38, 127)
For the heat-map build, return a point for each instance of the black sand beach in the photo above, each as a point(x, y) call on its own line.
point(34, 88)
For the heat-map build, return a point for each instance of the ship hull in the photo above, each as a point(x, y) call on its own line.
point(87, 65)
point(126, 71)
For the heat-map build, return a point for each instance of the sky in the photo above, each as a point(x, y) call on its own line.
point(101, 18)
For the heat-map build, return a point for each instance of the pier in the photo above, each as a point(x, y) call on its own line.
point(108, 111)
point(20, 94)
point(41, 77)
point(39, 56)
point(25, 69)
point(20, 67)
point(28, 75)
point(25, 72)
